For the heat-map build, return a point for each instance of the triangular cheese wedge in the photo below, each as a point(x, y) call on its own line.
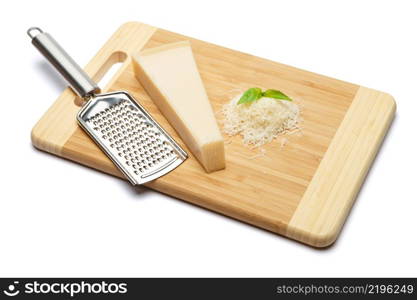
point(170, 76)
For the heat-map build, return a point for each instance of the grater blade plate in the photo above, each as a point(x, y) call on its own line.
point(130, 137)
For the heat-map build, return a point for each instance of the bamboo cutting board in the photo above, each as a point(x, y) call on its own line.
point(303, 190)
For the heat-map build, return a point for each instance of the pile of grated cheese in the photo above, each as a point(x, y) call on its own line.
point(261, 121)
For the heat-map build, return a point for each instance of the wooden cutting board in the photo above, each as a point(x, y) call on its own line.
point(303, 190)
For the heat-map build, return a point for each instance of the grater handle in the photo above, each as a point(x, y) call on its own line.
point(79, 81)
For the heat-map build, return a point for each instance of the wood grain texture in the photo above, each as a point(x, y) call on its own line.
point(267, 191)
point(331, 193)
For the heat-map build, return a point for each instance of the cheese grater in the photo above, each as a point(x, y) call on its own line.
point(116, 122)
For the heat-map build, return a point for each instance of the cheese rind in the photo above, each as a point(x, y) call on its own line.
point(170, 76)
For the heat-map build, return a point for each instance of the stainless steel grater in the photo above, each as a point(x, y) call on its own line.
point(121, 127)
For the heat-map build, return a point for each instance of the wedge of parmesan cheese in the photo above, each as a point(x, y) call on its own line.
point(170, 76)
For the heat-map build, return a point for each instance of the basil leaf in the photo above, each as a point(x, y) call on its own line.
point(276, 95)
point(250, 95)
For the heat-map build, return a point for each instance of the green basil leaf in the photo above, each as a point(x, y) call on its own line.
point(250, 95)
point(276, 95)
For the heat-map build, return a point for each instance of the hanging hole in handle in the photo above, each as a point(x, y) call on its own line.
point(107, 73)
point(34, 31)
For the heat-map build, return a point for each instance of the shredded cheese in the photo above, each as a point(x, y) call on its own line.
point(261, 121)
point(261, 154)
point(284, 141)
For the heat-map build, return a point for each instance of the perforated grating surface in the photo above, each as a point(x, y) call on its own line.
point(132, 139)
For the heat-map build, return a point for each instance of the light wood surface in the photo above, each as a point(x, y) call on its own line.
point(303, 190)
point(327, 200)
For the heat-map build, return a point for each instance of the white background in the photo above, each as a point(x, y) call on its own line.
point(61, 219)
